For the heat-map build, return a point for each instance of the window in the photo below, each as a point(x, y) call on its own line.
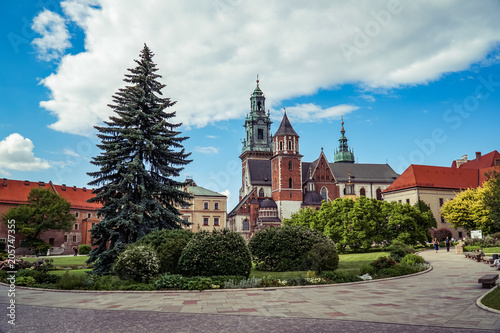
point(281, 145)
point(77, 215)
point(261, 192)
point(260, 134)
point(51, 241)
point(460, 234)
point(289, 145)
point(362, 192)
point(65, 238)
point(324, 194)
point(216, 221)
point(379, 194)
point(76, 226)
point(441, 202)
point(205, 221)
point(89, 215)
point(216, 206)
point(290, 165)
point(246, 225)
point(408, 201)
point(205, 205)
point(185, 218)
point(290, 182)
point(74, 239)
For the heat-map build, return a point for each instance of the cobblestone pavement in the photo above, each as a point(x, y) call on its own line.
point(442, 298)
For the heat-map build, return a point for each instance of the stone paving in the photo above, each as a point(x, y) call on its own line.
point(443, 297)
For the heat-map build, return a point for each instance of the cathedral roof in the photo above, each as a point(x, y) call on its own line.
point(376, 173)
point(260, 172)
point(285, 127)
point(481, 162)
point(312, 198)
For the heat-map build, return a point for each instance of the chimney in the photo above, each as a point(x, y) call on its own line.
point(40, 183)
point(63, 187)
point(478, 154)
point(84, 189)
point(74, 188)
point(4, 183)
point(26, 182)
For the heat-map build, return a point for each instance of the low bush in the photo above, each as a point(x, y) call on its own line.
point(383, 262)
point(398, 250)
point(323, 257)
point(28, 281)
point(170, 281)
point(340, 277)
point(73, 282)
point(367, 269)
point(217, 253)
point(388, 272)
point(84, 249)
point(412, 259)
point(138, 263)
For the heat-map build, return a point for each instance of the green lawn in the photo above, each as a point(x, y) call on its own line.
point(490, 250)
point(492, 300)
point(61, 262)
point(71, 272)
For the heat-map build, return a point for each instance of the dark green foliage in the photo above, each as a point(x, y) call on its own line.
point(25, 281)
point(383, 262)
point(412, 259)
point(45, 211)
point(388, 272)
point(39, 276)
point(218, 253)
point(398, 250)
point(491, 200)
point(138, 263)
point(170, 281)
point(323, 257)
point(284, 248)
point(169, 245)
point(141, 155)
point(340, 277)
point(178, 282)
point(84, 249)
point(2, 246)
point(71, 282)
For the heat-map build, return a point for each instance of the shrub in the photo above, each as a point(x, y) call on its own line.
point(28, 281)
point(84, 249)
point(218, 253)
point(441, 234)
point(199, 283)
point(398, 250)
point(383, 262)
point(284, 248)
point(73, 282)
point(167, 281)
point(340, 277)
point(367, 269)
point(168, 245)
point(138, 263)
point(323, 257)
point(412, 259)
point(388, 272)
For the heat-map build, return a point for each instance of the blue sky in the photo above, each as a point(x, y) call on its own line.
point(417, 82)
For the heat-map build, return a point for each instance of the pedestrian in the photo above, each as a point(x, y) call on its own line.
point(447, 243)
point(436, 244)
point(48, 252)
point(76, 250)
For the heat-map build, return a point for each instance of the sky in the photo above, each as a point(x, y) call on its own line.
point(417, 82)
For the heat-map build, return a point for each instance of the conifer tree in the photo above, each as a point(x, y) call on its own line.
point(141, 152)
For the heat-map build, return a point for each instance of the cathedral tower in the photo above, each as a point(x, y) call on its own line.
point(286, 170)
point(343, 154)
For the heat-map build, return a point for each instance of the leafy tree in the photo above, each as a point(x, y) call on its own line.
point(441, 234)
point(466, 210)
point(491, 200)
point(141, 152)
point(45, 211)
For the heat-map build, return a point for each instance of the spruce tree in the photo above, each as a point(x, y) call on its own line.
point(141, 152)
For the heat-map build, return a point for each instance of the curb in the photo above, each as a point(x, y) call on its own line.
point(484, 307)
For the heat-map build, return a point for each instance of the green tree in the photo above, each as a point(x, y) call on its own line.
point(141, 153)
point(491, 200)
point(467, 210)
point(44, 211)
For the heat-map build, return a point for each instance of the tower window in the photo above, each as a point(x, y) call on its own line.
point(260, 134)
point(289, 145)
point(362, 192)
point(324, 194)
point(261, 193)
point(379, 194)
point(281, 145)
point(290, 165)
point(290, 182)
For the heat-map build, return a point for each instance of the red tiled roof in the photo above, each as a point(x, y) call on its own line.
point(437, 177)
point(482, 162)
point(17, 191)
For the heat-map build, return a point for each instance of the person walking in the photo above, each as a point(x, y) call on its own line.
point(447, 243)
point(76, 250)
point(436, 245)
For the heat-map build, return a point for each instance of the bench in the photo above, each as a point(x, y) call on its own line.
point(488, 280)
point(488, 260)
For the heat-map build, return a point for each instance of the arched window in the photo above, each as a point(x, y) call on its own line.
point(289, 145)
point(324, 194)
point(379, 194)
point(246, 225)
point(362, 192)
point(261, 192)
point(290, 166)
point(290, 182)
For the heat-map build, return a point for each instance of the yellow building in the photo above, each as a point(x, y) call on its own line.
point(207, 209)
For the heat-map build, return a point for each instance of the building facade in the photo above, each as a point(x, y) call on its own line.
point(276, 182)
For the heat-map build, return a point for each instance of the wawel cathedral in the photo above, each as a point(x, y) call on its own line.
point(276, 182)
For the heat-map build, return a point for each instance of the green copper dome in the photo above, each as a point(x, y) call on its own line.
point(343, 154)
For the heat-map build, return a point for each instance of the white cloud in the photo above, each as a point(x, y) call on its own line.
point(16, 153)
point(55, 35)
point(206, 150)
point(310, 112)
point(211, 137)
point(209, 54)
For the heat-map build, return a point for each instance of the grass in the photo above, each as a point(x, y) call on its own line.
point(492, 300)
point(490, 250)
point(72, 272)
point(61, 262)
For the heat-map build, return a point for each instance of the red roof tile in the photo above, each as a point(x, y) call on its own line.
point(437, 177)
point(482, 162)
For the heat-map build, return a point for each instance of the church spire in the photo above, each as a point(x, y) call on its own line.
point(343, 154)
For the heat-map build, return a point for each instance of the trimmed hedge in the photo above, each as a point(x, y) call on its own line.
point(286, 248)
point(138, 263)
point(218, 253)
point(84, 249)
